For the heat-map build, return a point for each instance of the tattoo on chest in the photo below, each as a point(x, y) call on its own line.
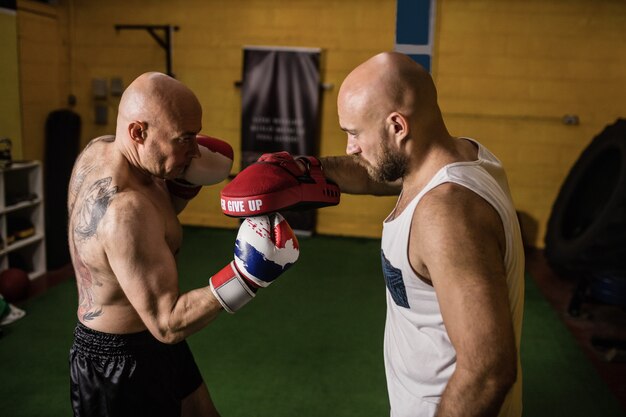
point(95, 203)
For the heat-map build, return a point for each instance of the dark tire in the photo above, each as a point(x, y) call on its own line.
point(586, 231)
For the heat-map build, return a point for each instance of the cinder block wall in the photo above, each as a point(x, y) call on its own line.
point(43, 64)
point(10, 124)
point(207, 57)
point(507, 72)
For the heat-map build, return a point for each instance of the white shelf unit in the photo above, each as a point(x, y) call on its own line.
point(21, 200)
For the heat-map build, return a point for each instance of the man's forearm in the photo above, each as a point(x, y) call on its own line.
point(471, 394)
point(353, 178)
point(191, 312)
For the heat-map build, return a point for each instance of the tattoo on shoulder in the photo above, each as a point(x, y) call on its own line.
point(95, 203)
point(76, 182)
point(105, 138)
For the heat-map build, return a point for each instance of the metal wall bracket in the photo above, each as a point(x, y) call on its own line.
point(164, 41)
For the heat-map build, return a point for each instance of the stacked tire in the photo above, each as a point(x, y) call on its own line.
point(586, 232)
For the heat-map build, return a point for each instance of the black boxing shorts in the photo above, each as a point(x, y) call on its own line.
point(129, 374)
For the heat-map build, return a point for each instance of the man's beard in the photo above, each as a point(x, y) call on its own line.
point(391, 165)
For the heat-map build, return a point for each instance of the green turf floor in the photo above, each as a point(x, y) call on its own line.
point(308, 346)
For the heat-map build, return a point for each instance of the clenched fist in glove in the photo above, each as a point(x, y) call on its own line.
point(213, 166)
point(265, 248)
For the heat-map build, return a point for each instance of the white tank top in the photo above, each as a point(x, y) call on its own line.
point(419, 358)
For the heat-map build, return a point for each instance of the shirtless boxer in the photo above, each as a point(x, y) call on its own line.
point(129, 356)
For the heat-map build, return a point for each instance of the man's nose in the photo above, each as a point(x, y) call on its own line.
point(352, 148)
point(195, 149)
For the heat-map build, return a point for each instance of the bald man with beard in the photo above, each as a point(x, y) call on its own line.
point(129, 356)
point(452, 253)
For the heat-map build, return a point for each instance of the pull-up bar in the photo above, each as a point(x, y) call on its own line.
point(164, 42)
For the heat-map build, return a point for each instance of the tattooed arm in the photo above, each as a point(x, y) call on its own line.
point(133, 233)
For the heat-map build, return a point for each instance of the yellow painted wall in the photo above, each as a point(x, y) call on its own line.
point(507, 71)
point(10, 125)
point(207, 56)
point(43, 69)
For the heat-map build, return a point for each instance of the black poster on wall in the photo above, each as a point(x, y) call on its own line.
point(280, 109)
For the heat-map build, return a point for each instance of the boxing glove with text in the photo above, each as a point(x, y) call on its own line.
point(265, 248)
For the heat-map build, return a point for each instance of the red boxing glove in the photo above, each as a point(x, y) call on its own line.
point(276, 182)
point(213, 166)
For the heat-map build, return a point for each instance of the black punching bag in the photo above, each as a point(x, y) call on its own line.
point(61, 150)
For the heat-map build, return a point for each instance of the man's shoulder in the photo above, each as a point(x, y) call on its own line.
point(96, 146)
point(128, 213)
point(94, 159)
point(101, 139)
point(451, 205)
point(444, 198)
point(129, 203)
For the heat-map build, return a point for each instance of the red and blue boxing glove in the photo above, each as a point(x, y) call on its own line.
point(265, 248)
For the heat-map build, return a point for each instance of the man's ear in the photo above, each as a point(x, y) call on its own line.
point(398, 127)
point(137, 131)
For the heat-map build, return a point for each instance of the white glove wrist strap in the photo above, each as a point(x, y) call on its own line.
point(230, 288)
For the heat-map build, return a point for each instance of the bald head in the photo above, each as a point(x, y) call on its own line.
point(389, 82)
point(156, 98)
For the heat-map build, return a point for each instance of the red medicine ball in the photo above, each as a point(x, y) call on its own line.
point(14, 284)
